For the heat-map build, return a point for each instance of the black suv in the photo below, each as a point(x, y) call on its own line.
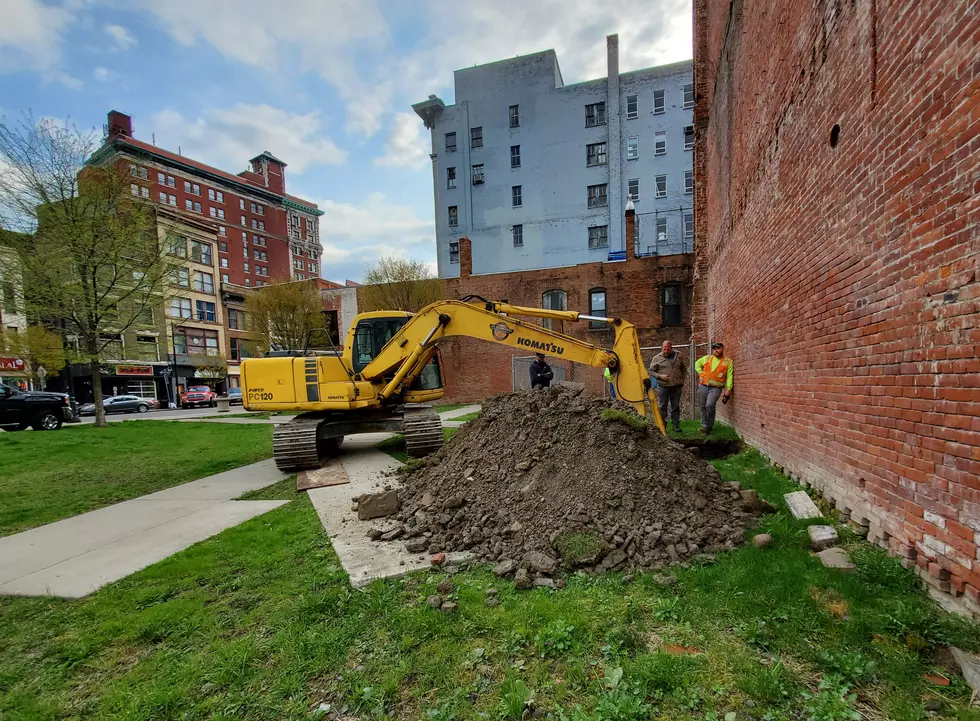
point(41, 411)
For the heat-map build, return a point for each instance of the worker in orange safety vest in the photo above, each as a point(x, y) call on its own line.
point(716, 375)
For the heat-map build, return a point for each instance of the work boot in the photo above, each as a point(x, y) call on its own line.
point(704, 430)
point(677, 428)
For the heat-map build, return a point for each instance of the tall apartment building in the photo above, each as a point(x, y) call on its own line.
point(537, 173)
point(263, 232)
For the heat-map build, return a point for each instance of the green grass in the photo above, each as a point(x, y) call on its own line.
point(443, 407)
point(689, 430)
point(48, 476)
point(466, 417)
point(260, 622)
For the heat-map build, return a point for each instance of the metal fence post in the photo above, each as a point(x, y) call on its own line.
point(692, 357)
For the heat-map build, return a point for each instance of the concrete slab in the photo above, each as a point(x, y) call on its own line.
point(822, 537)
point(78, 576)
point(801, 505)
point(969, 667)
point(77, 555)
point(363, 559)
point(456, 412)
point(836, 558)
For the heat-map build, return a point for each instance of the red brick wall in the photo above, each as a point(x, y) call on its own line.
point(474, 370)
point(844, 280)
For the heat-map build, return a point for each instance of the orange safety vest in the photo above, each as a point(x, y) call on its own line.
point(715, 376)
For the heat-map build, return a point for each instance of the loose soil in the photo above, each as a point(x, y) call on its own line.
point(550, 477)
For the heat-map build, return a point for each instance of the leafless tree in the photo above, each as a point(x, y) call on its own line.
point(399, 284)
point(280, 316)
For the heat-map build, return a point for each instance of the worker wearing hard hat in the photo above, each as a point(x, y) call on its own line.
point(716, 375)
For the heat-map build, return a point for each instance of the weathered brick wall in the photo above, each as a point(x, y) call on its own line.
point(473, 370)
point(843, 277)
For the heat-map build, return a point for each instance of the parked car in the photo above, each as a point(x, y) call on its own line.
point(38, 410)
point(235, 396)
point(121, 404)
point(198, 396)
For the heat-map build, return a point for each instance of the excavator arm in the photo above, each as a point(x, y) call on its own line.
point(407, 353)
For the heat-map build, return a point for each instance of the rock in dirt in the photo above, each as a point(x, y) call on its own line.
point(377, 505)
point(663, 579)
point(545, 583)
point(434, 601)
point(375, 534)
point(969, 667)
point(491, 602)
point(549, 475)
point(762, 540)
point(523, 580)
point(438, 559)
point(417, 545)
point(394, 534)
point(822, 537)
point(446, 587)
point(448, 607)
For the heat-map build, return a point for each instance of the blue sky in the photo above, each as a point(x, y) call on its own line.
point(326, 85)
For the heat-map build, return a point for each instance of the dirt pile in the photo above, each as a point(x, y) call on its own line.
point(549, 478)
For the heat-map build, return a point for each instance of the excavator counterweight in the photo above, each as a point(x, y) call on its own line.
point(387, 374)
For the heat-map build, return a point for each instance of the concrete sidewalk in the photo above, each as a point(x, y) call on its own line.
point(73, 557)
point(457, 412)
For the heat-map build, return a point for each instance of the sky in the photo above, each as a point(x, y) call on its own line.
point(325, 85)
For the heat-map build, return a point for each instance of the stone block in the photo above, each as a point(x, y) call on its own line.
point(801, 505)
point(377, 505)
point(822, 537)
point(836, 558)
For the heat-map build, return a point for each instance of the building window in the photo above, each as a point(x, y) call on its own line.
point(180, 307)
point(660, 143)
point(161, 179)
point(311, 267)
point(597, 196)
point(297, 264)
point(163, 198)
point(248, 282)
point(243, 221)
point(688, 223)
point(595, 154)
point(205, 310)
point(200, 252)
point(671, 299)
point(450, 142)
point(515, 116)
point(239, 349)
point(222, 230)
point(450, 178)
point(515, 196)
point(180, 344)
point(195, 189)
point(634, 188)
point(258, 209)
point(688, 137)
point(515, 156)
point(141, 173)
point(236, 319)
point(518, 233)
point(632, 148)
point(595, 114)
point(171, 183)
point(661, 181)
point(599, 236)
point(476, 137)
point(223, 246)
point(172, 200)
point(688, 96)
point(144, 192)
point(225, 278)
point(688, 181)
point(203, 282)
point(244, 247)
point(631, 107)
point(181, 277)
point(453, 216)
point(597, 307)
point(454, 251)
point(146, 348)
point(224, 262)
point(255, 253)
point(241, 203)
point(552, 300)
point(478, 174)
point(658, 101)
point(177, 246)
point(661, 228)
point(134, 190)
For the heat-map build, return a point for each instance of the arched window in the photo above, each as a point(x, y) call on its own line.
point(553, 300)
point(671, 304)
point(597, 307)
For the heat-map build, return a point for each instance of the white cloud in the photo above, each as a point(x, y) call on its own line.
point(102, 74)
point(31, 34)
point(123, 38)
point(227, 138)
point(354, 236)
point(408, 144)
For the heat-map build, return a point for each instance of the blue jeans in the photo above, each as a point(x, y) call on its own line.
point(708, 401)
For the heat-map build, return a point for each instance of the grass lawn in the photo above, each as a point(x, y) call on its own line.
point(443, 407)
point(689, 430)
point(260, 622)
point(466, 417)
point(48, 476)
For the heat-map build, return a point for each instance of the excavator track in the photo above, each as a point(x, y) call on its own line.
point(294, 444)
point(423, 432)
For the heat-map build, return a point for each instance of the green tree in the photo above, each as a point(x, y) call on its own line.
point(399, 284)
point(281, 316)
point(38, 347)
point(89, 250)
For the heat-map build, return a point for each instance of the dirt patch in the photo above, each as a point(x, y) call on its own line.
point(552, 475)
point(711, 448)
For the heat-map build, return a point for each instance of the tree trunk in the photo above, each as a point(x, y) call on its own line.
point(97, 394)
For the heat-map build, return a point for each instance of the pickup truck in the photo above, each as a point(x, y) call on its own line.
point(198, 396)
point(38, 410)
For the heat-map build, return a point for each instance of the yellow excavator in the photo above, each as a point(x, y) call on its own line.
point(388, 373)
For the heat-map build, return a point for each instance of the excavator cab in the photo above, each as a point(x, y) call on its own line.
point(372, 333)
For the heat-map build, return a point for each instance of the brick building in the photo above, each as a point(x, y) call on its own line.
point(838, 256)
point(635, 289)
point(263, 232)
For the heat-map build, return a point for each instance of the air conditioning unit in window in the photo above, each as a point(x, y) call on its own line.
point(477, 178)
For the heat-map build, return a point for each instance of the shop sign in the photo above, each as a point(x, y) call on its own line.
point(134, 370)
point(12, 364)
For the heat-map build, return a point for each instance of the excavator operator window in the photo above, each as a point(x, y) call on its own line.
point(371, 336)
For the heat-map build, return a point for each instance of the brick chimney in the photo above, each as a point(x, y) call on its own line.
point(465, 257)
point(120, 125)
point(630, 239)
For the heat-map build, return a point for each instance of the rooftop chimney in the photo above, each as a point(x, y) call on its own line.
point(120, 125)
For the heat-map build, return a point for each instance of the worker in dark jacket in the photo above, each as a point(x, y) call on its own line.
point(541, 373)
